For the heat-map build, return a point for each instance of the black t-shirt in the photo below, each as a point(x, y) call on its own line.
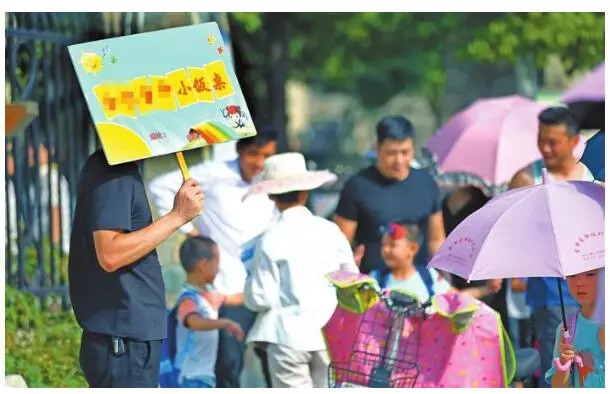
point(451, 220)
point(129, 302)
point(374, 201)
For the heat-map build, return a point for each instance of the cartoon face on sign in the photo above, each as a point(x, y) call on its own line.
point(235, 116)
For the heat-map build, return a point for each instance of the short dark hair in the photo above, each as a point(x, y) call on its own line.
point(286, 198)
point(395, 127)
point(553, 116)
point(265, 134)
point(194, 249)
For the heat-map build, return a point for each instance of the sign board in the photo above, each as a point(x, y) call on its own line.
point(161, 92)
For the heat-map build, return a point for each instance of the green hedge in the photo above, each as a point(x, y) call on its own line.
point(41, 346)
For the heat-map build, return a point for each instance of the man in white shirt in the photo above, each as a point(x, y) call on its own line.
point(231, 221)
point(287, 285)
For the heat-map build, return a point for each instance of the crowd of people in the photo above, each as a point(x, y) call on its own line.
point(274, 297)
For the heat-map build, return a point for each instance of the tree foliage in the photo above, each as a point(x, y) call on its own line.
point(376, 55)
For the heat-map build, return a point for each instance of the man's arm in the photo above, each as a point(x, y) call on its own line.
point(436, 232)
point(116, 249)
point(521, 179)
point(348, 210)
point(346, 259)
point(347, 227)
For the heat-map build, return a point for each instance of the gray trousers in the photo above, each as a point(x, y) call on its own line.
point(295, 368)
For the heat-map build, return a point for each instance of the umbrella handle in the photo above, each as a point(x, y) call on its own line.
point(577, 359)
point(569, 364)
point(565, 367)
point(562, 367)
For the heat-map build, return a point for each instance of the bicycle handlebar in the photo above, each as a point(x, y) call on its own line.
point(399, 302)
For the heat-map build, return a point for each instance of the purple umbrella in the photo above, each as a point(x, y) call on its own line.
point(590, 88)
point(551, 230)
point(586, 99)
point(492, 138)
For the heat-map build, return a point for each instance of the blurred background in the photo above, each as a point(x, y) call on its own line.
point(322, 79)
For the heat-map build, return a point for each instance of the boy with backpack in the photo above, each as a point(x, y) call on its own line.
point(400, 244)
point(189, 352)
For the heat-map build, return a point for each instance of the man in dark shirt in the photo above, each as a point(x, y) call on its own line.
point(116, 287)
point(390, 191)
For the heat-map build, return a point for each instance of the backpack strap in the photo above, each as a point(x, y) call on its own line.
point(425, 275)
point(382, 279)
point(188, 343)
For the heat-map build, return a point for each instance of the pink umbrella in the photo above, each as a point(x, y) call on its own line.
point(492, 138)
point(550, 230)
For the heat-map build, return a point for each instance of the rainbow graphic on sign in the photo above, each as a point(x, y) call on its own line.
point(161, 92)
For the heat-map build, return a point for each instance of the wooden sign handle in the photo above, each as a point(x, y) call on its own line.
point(183, 167)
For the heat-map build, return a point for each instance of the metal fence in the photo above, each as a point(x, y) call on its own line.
point(43, 163)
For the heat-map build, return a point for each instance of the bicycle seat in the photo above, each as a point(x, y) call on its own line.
point(528, 361)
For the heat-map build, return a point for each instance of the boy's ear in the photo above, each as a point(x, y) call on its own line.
point(414, 246)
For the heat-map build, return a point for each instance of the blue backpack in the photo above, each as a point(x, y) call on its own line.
point(171, 363)
point(424, 273)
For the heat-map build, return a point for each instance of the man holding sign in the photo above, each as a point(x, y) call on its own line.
point(147, 97)
point(116, 286)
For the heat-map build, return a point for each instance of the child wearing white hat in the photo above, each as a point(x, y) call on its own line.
point(287, 284)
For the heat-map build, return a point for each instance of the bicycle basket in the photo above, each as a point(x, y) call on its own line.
point(379, 357)
point(366, 370)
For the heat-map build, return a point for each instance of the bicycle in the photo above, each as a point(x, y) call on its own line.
point(386, 358)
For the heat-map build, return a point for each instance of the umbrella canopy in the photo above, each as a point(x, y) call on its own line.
point(550, 230)
point(492, 138)
point(590, 88)
point(594, 156)
point(586, 99)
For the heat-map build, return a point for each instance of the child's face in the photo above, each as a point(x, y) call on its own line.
point(583, 287)
point(398, 252)
point(207, 269)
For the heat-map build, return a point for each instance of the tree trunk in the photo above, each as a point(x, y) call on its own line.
point(243, 68)
point(276, 71)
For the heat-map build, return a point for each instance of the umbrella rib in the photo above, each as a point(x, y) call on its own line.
point(496, 222)
point(548, 200)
